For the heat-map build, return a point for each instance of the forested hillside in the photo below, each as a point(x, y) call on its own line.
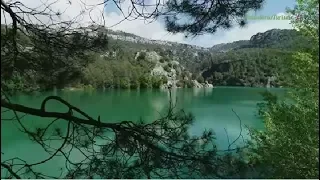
point(258, 62)
point(249, 67)
point(130, 61)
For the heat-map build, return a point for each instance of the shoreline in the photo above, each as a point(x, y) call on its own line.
point(78, 89)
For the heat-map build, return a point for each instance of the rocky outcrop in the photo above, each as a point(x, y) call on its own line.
point(270, 80)
point(207, 85)
point(196, 84)
point(170, 73)
point(153, 56)
point(158, 71)
point(171, 70)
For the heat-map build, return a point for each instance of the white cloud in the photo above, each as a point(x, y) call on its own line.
point(153, 30)
point(74, 10)
point(156, 29)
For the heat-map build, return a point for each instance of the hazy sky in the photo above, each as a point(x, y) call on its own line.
point(156, 29)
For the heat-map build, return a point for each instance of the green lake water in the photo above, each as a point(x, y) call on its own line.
point(212, 109)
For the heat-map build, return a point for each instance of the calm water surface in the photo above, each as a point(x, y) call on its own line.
point(212, 109)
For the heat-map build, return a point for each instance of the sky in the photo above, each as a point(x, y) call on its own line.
point(156, 29)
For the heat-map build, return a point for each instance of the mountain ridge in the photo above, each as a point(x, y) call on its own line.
point(259, 39)
point(131, 61)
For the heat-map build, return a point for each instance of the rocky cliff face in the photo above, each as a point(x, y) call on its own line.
point(171, 70)
point(274, 38)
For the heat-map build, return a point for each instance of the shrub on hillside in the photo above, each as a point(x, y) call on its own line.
point(167, 68)
point(200, 79)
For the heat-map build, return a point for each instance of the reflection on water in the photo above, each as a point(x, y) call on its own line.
point(212, 109)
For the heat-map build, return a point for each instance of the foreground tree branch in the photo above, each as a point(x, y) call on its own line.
point(154, 150)
point(39, 38)
point(66, 116)
point(10, 170)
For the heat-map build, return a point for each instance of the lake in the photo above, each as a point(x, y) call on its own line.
point(212, 109)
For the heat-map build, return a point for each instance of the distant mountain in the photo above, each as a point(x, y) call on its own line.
point(288, 39)
point(128, 59)
point(260, 61)
point(123, 36)
point(280, 39)
point(229, 46)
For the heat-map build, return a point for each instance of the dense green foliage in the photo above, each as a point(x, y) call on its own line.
point(248, 67)
point(107, 72)
point(207, 16)
point(40, 66)
point(284, 39)
point(289, 147)
point(40, 69)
